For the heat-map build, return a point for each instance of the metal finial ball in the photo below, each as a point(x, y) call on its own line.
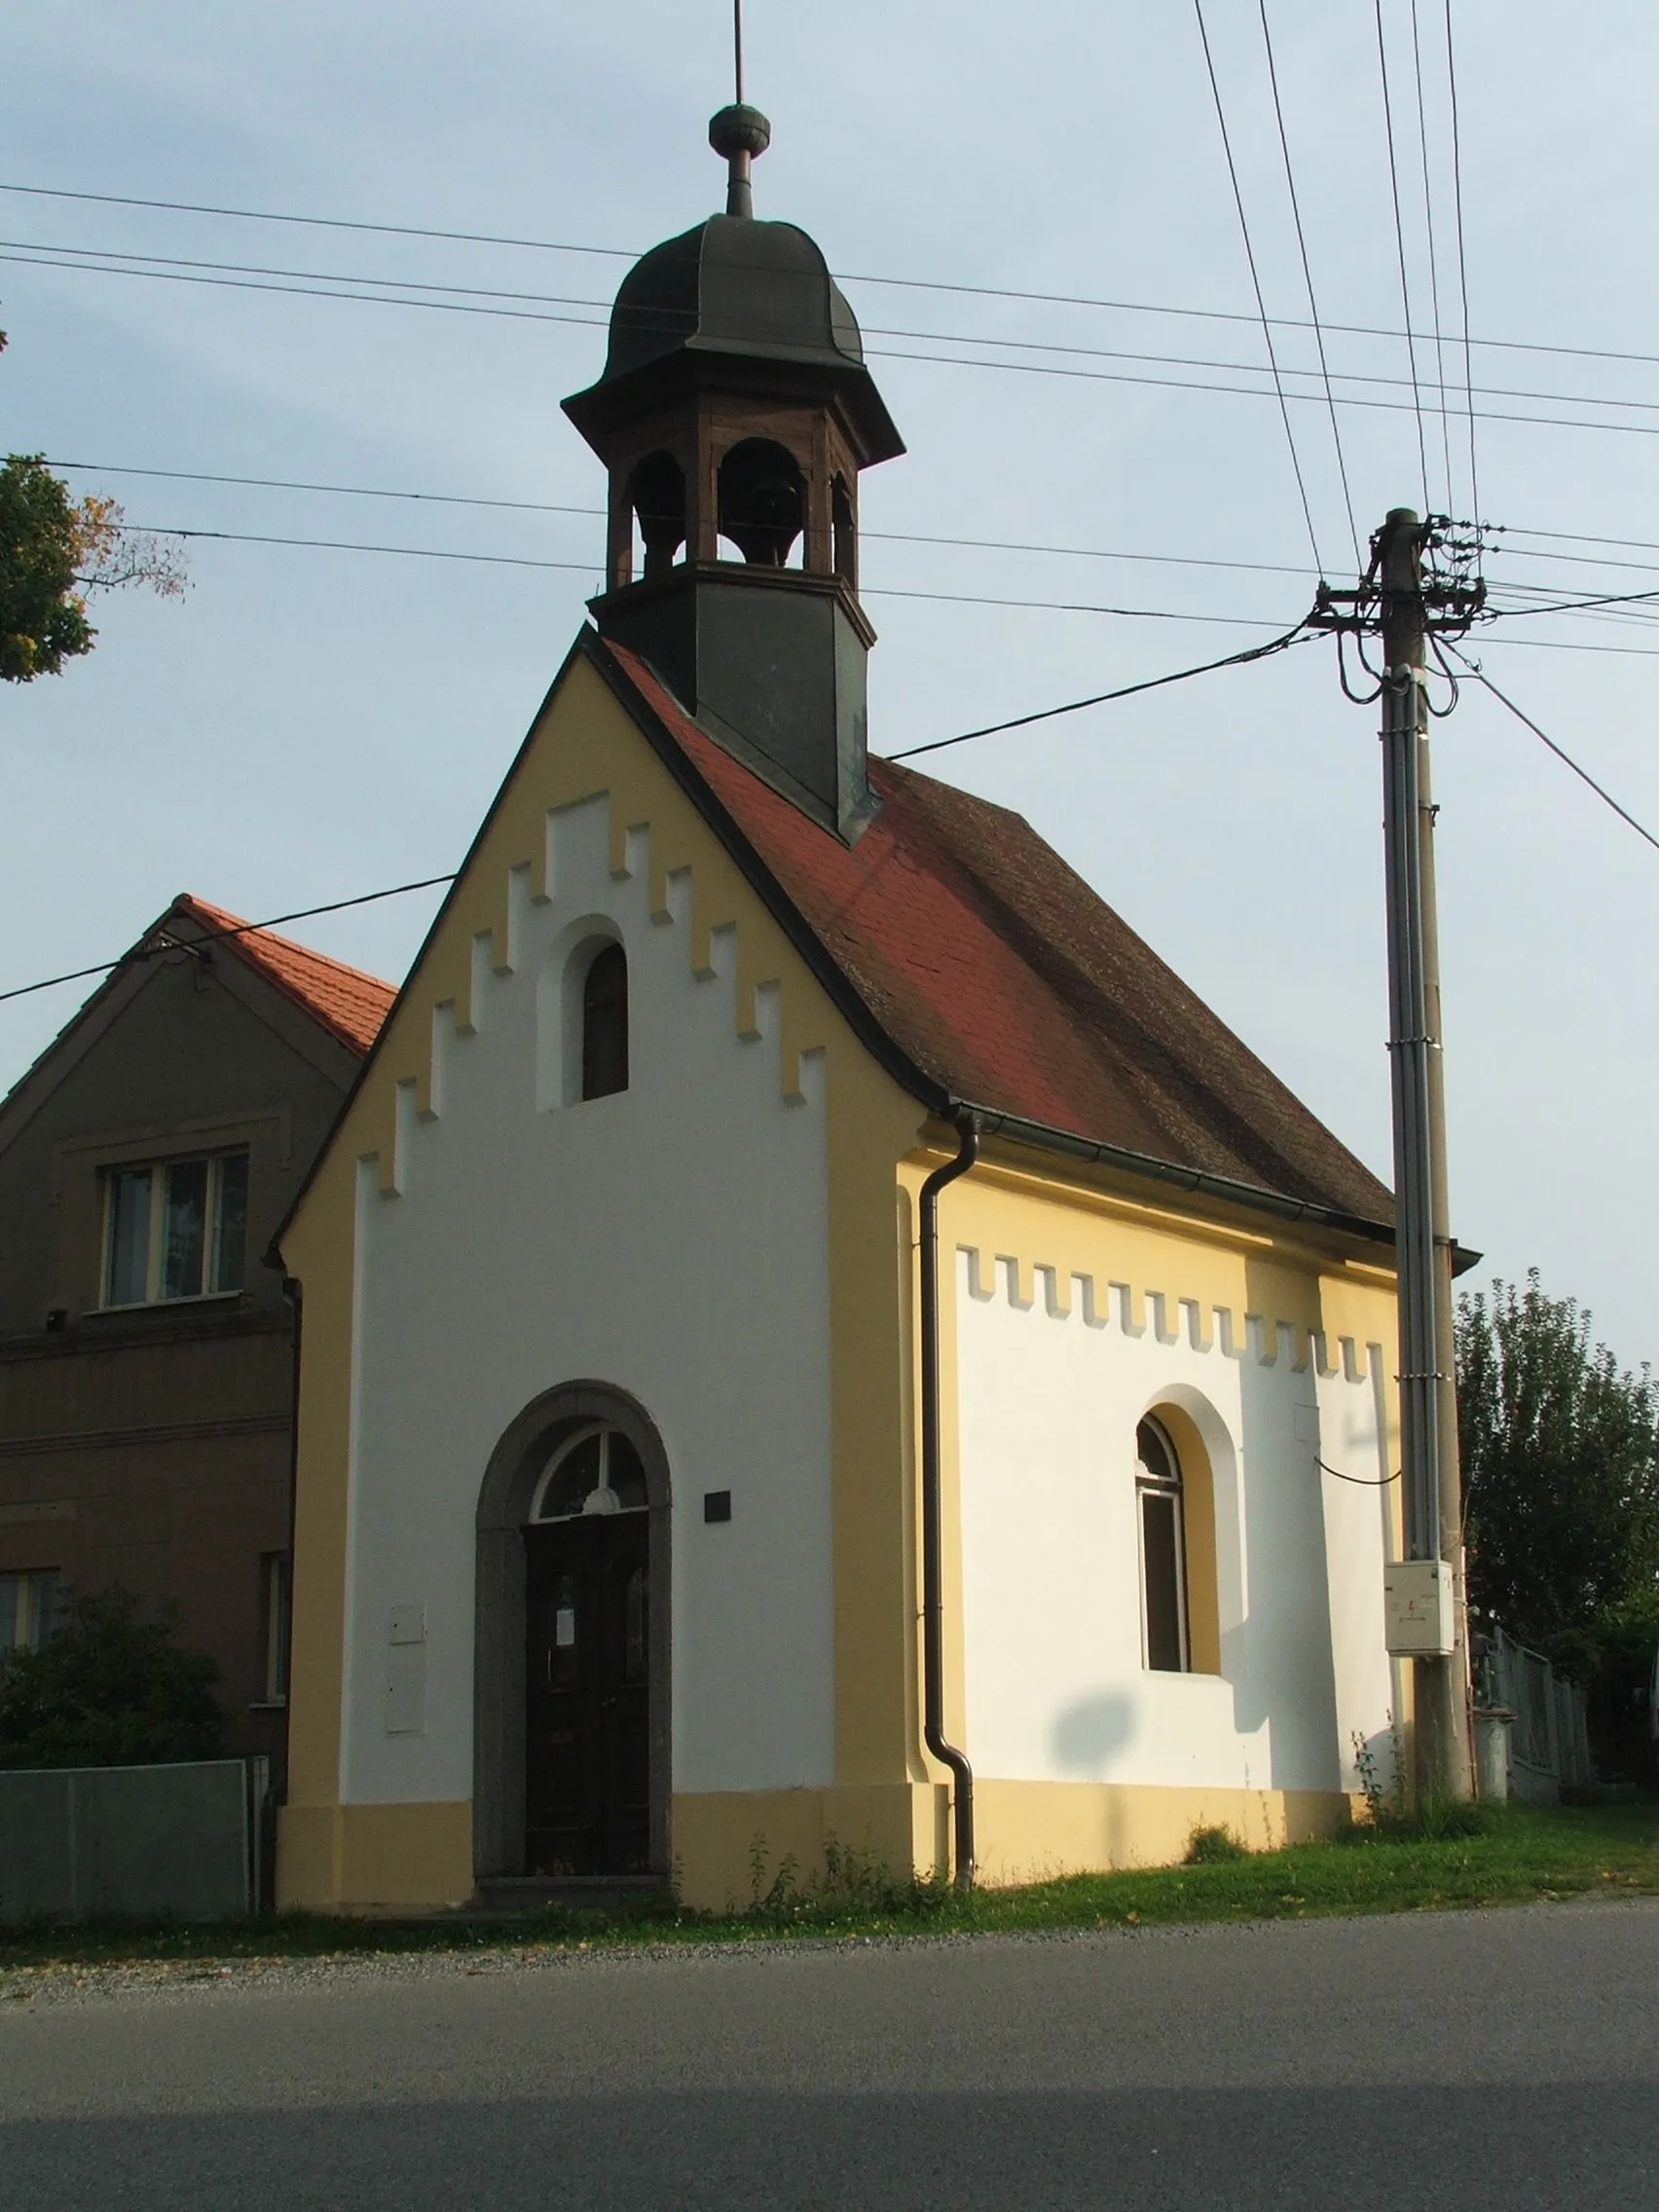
point(740, 130)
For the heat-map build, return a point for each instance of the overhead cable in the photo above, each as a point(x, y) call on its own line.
point(1299, 634)
point(1505, 551)
point(867, 591)
point(1583, 774)
point(1256, 284)
point(1307, 279)
point(592, 568)
point(846, 277)
point(1433, 256)
point(1463, 262)
point(555, 507)
point(149, 951)
point(389, 297)
point(1400, 242)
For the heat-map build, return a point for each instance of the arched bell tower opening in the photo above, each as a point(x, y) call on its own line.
point(762, 502)
point(657, 495)
point(734, 416)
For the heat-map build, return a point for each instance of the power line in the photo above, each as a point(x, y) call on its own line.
point(868, 591)
point(148, 951)
point(1624, 814)
point(335, 288)
point(1463, 262)
point(1572, 646)
point(593, 568)
point(1256, 285)
point(101, 261)
point(1400, 242)
point(241, 929)
point(1433, 258)
point(175, 275)
point(1299, 636)
point(845, 277)
point(1505, 551)
point(1582, 537)
point(1307, 279)
point(552, 507)
point(1581, 605)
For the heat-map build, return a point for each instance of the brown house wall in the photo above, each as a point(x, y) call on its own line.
point(152, 1446)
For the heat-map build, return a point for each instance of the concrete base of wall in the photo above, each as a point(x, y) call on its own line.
point(731, 1845)
point(1032, 1832)
point(381, 1860)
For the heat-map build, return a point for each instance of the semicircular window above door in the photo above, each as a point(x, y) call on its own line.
point(595, 1470)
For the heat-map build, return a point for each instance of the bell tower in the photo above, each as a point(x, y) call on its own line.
point(734, 416)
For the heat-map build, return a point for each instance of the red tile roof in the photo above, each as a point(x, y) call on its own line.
point(350, 1004)
point(1003, 980)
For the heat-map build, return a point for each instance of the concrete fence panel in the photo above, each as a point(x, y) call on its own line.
point(131, 1843)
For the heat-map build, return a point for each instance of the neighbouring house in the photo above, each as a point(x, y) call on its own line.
point(811, 1329)
point(146, 1354)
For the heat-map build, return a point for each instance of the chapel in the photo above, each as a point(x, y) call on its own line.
point(816, 1343)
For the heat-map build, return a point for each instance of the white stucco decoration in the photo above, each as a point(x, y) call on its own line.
point(671, 1240)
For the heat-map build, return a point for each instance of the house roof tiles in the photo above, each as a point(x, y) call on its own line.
point(347, 1002)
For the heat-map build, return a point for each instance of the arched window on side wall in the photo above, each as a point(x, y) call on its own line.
point(1163, 1550)
point(605, 1023)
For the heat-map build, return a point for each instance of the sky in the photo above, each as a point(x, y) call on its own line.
point(309, 723)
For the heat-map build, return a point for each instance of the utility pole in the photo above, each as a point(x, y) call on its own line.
point(1427, 1614)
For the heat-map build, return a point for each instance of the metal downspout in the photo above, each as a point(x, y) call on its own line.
point(294, 1297)
point(933, 1567)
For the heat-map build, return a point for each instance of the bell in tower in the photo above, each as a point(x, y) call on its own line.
point(734, 416)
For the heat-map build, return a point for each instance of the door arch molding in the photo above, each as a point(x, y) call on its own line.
point(500, 1628)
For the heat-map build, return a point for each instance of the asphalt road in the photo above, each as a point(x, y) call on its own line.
point(1508, 2060)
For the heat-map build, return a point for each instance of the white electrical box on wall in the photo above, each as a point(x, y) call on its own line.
point(1418, 1609)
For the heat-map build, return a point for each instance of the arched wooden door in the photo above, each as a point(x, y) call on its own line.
point(588, 1661)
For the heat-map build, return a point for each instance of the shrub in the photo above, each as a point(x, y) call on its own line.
point(109, 1688)
point(1214, 1847)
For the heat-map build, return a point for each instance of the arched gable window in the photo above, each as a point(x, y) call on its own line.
point(1163, 1549)
point(605, 1023)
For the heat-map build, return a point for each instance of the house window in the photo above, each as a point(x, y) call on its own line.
point(31, 1606)
point(1163, 1550)
point(174, 1230)
point(605, 1023)
point(278, 1578)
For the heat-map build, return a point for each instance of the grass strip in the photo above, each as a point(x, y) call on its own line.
point(1523, 1857)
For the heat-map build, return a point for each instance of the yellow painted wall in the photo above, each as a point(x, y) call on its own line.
point(585, 745)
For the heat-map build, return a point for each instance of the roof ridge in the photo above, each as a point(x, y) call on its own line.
point(235, 926)
point(998, 975)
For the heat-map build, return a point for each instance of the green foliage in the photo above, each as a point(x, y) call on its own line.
point(110, 1688)
point(53, 549)
point(855, 1889)
point(1529, 1855)
point(43, 617)
point(1561, 1468)
point(1214, 1847)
